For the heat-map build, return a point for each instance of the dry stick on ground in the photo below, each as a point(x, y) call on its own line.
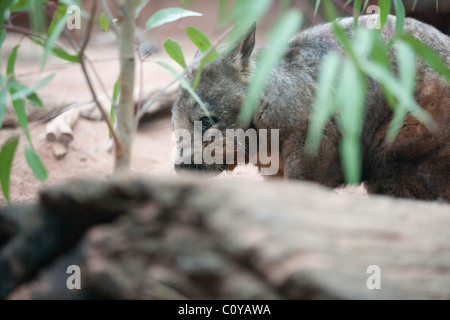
point(125, 111)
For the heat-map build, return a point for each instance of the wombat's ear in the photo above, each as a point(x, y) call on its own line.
point(244, 49)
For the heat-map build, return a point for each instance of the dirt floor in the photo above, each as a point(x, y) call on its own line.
point(88, 156)
point(89, 153)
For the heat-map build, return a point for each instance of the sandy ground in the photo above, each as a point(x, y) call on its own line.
point(88, 156)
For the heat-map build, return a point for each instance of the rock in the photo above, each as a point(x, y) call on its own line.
point(172, 238)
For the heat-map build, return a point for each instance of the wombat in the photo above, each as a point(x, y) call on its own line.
point(415, 165)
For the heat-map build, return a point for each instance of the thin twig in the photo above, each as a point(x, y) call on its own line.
point(60, 67)
point(109, 15)
point(76, 47)
point(29, 33)
point(99, 79)
point(88, 79)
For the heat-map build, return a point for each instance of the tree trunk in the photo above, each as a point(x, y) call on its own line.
point(125, 110)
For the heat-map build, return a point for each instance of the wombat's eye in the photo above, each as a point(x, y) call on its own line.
point(207, 123)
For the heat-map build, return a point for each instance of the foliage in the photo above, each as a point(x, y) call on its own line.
point(342, 82)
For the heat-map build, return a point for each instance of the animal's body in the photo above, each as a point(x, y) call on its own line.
point(415, 165)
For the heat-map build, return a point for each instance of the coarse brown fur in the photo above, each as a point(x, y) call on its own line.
point(415, 165)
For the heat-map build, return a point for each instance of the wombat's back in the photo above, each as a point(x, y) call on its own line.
point(416, 164)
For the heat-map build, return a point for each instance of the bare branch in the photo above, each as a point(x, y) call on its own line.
point(88, 79)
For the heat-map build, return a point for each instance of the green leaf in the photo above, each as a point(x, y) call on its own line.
point(5, 5)
point(365, 5)
point(356, 12)
point(185, 3)
point(428, 55)
point(406, 62)
point(6, 161)
point(350, 151)
point(53, 37)
point(37, 17)
point(404, 98)
point(22, 92)
point(60, 11)
point(203, 44)
point(357, 7)
point(19, 108)
point(2, 36)
point(169, 15)
point(279, 37)
point(344, 40)
point(112, 114)
point(244, 15)
point(12, 61)
point(186, 85)
point(35, 164)
point(350, 98)
point(58, 52)
point(3, 97)
point(316, 8)
point(330, 10)
point(223, 9)
point(381, 58)
point(201, 41)
point(385, 8)
point(71, 2)
point(398, 118)
point(21, 6)
point(33, 97)
point(104, 22)
point(363, 42)
point(400, 14)
point(324, 106)
point(173, 49)
point(380, 54)
point(199, 74)
point(2, 39)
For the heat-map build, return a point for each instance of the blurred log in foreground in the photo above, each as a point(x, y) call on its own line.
point(171, 238)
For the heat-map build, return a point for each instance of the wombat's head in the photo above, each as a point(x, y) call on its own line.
point(222, 88)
